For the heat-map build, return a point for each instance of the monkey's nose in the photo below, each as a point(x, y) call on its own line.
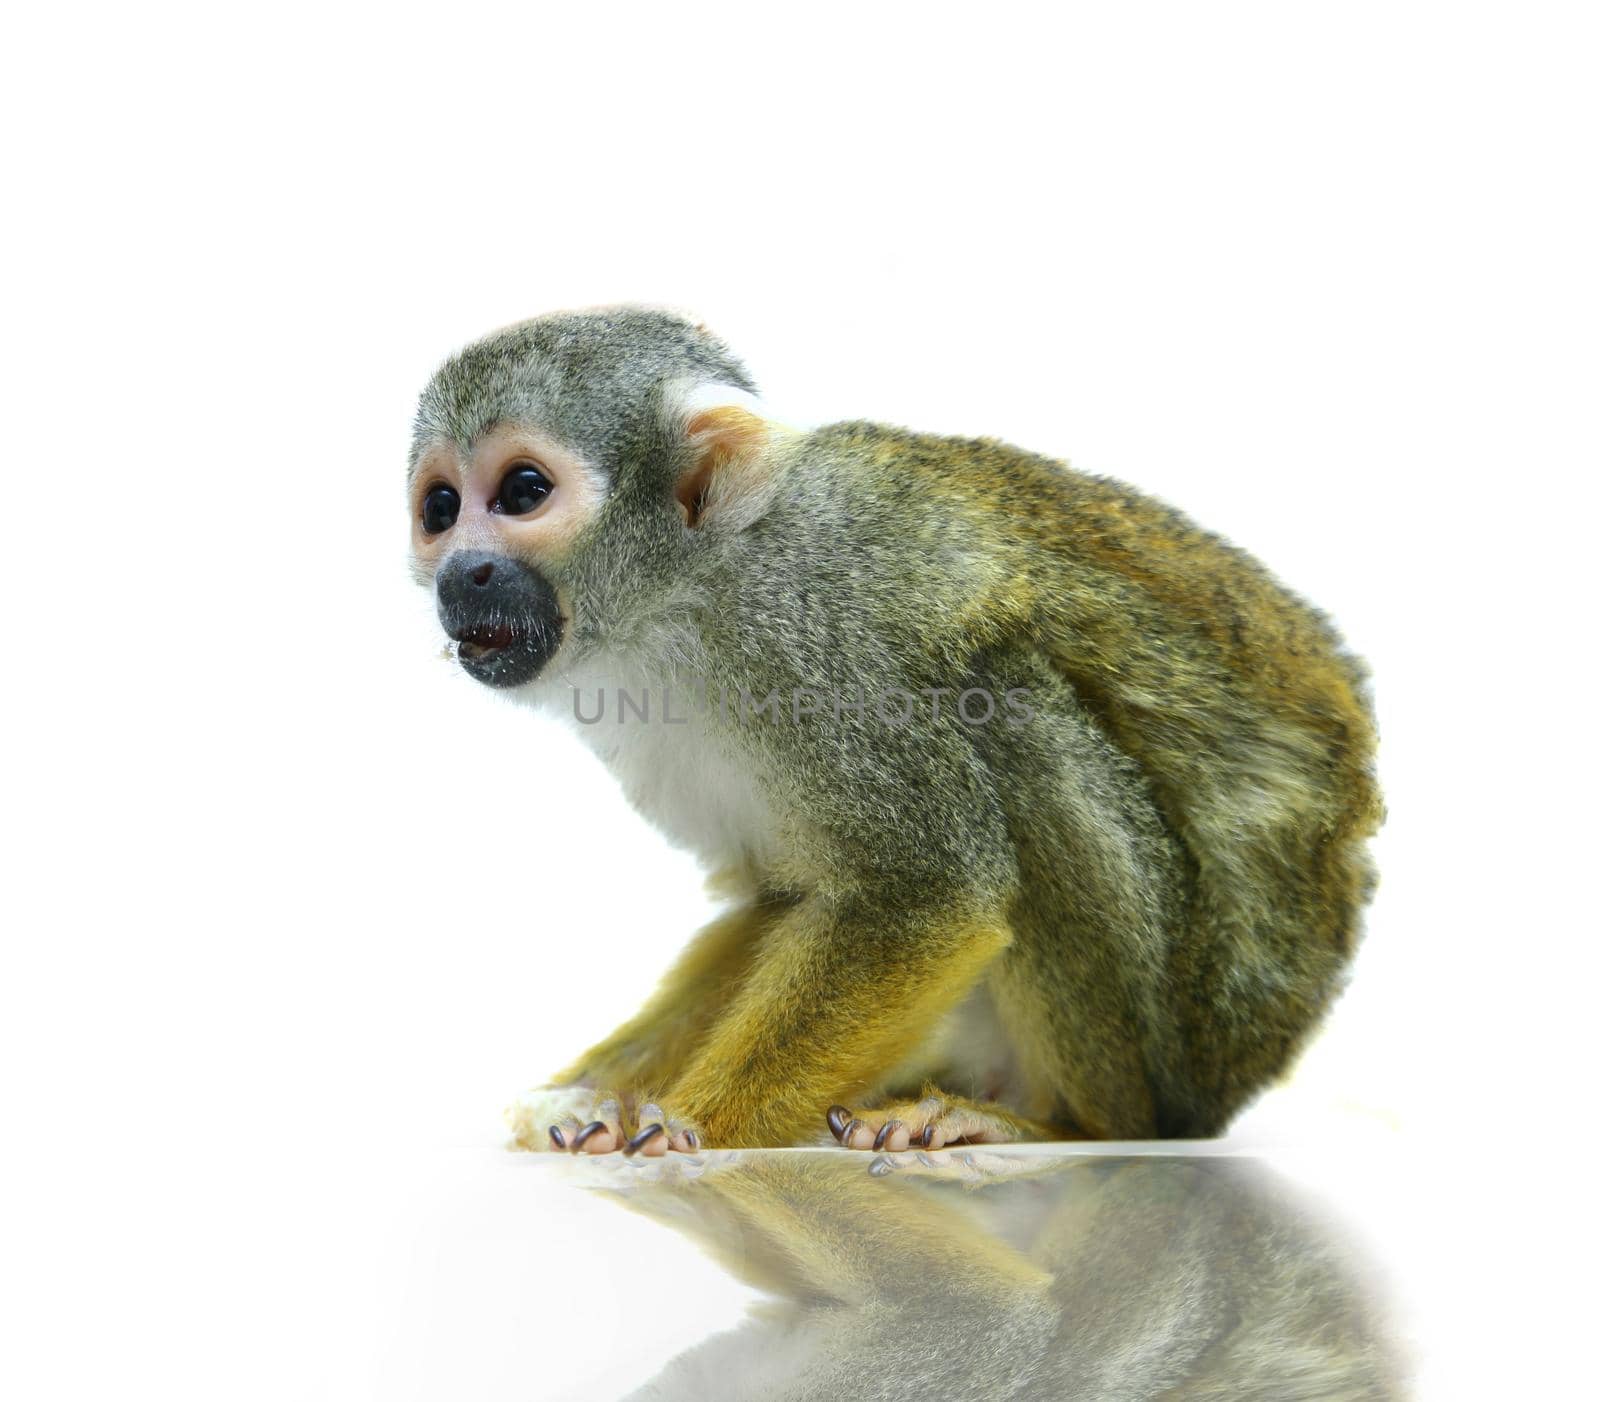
point(483, 573)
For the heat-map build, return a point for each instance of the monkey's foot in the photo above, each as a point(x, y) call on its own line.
point(576, 1119)
point(931, 1123)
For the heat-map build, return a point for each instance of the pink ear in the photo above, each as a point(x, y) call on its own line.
point(726, 482)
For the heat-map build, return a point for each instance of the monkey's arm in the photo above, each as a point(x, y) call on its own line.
point(648, 1051)
point(837, 989)
point(610, 1082)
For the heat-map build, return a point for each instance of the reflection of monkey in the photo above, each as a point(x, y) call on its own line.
point(1118, 919)
point(987, 1274)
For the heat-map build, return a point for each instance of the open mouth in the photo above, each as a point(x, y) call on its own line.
point(502, 614)
point(480, 644)
point(503, 654)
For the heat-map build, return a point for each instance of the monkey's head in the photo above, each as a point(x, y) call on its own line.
point(560, 470)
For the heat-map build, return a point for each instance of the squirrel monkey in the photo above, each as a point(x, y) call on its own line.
point(1040, 809)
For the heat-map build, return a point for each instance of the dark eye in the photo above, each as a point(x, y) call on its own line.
point(440, 508)
point(522, 489)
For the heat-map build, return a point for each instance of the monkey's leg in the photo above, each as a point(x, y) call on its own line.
point(823, 1013)
point(1081, 992)
point(935, 1120)
point(592, 1104)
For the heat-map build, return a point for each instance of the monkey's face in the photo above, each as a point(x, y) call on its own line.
point(490, 527)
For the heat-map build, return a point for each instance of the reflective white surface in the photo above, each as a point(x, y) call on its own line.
point(1026, 1271)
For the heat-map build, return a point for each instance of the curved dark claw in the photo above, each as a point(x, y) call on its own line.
point(838, 1118)
point(889, 1128)
point(587, 1133)
point(926, 1137)
point(643, 1137)
point(691, 1139)
point(848, 1133)
point(557, 1137)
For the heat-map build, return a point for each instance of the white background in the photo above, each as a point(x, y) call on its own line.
point(292, 908)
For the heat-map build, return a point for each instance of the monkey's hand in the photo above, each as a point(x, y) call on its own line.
point(581, 1120)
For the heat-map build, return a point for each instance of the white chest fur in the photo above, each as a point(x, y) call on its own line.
point(674, 768)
